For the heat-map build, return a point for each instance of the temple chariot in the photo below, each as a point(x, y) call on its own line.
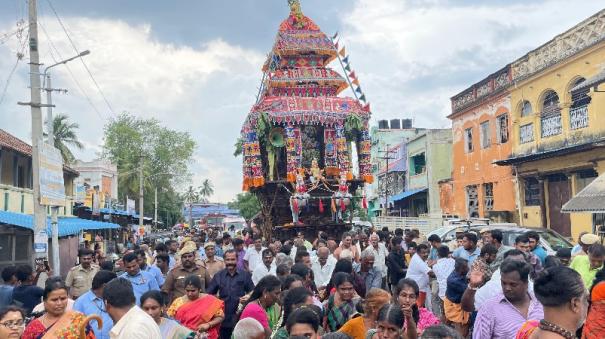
point(306, 150)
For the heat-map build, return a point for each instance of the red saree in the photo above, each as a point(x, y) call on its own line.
point(201, 311)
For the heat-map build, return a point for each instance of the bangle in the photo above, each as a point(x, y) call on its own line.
point(473, 288)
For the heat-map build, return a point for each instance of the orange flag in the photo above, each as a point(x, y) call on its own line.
point(355, 82)
point(342, 52)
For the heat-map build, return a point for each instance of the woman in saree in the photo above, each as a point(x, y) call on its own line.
point(265, 294)
point(200, 312)
point(294, 299)
point(341, 305)
point(416, 319)
point(594, 327)
point(57, 322)
point(152, 302)
point(358, 327)
point(563, 296)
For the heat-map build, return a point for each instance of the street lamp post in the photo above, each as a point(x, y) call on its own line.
point(50, 140)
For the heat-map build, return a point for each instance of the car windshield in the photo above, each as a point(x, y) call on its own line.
point(441, 231)
point(555, 241)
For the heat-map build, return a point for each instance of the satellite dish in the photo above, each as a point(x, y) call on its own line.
point(276, 137)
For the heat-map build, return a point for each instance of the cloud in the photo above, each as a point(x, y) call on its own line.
point(424, 52)
point(205, 90)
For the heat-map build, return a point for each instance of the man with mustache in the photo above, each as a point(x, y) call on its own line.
point(230, 285)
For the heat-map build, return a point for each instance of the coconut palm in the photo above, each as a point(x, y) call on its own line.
point(64, 135)
point(190, 196)
point(206, 190)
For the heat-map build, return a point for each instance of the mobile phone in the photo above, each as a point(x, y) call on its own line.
point(46, 265)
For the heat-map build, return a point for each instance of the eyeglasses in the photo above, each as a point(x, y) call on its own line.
point(13, 324)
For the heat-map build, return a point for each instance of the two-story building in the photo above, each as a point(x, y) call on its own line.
point(428, 162)
point(481, 135)
point(558, 125)
point(16, 208)
point(388, 135)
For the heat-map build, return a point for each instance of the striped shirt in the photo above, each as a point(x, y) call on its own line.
point(498, 318)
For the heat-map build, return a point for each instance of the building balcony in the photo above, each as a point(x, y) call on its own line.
point(578, 117)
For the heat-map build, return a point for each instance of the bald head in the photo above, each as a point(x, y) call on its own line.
point(248, 328)
point(322, 255)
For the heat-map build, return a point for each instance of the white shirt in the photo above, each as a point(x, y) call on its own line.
point(323, 274)
point(135, 324)
point(253, 257)
point(418, 271)
point(380, 256)
point(494, 287)
point(442, 269)
point(261, 271)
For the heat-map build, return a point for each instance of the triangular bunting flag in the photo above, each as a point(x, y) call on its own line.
point(347, 68)
point(346, 59)
point(358, 90)
point(352, 75)
point(336, 45)
point(355, 81)
point(367, 107)
point(363, 98)
point(342, 52)
point(335, 35)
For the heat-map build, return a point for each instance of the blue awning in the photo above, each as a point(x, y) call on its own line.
point(405, 194)
point(67, 225)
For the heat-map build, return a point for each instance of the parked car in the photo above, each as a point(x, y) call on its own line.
point(550, 240)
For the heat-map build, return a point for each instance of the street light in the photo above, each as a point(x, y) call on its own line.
point(50, 141)
point(49, 89)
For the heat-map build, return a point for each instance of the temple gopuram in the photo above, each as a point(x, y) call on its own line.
point(301, 140)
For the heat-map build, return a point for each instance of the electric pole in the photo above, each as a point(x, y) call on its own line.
point(40, 233)
point(386, 157)
point(54, 210)
point(141, 209)
point(155, 209)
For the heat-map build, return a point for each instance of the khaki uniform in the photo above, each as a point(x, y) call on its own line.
point(214, 266)
point(174, 285)
point(79, 280)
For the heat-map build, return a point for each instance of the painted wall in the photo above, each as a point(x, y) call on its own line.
point(477, 167)
point(437, 148)
point(560, 78)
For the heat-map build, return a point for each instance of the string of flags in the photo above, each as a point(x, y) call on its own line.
point(349, 73)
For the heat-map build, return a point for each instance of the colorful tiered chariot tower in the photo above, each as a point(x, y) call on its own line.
point(299, 137)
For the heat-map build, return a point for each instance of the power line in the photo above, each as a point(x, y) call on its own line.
point(20, 56)
point(73, 77)
point(81, 59)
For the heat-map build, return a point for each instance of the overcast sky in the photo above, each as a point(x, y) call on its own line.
point(195, 65)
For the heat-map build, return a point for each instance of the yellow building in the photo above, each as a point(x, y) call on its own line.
point(558, 125)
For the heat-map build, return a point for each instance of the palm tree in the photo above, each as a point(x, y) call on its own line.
point(207, 189)
point(190, 196)
point(64, 135)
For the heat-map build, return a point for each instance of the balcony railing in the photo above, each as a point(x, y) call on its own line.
point(526, 133)
point(551, 124)
point(578, 117)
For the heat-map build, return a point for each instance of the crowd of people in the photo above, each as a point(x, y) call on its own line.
point(209, 284)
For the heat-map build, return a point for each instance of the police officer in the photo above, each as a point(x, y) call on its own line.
point(174, 285)
point(79, 278)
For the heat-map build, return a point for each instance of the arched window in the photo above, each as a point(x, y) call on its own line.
point(525, 108)
point(550, 104)
point(551, 115)
point(578, 111)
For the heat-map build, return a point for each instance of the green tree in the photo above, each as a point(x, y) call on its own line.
point(64, 135)
point(163, 154)
point(189, 197)
point(206, 190)
point(247, 204)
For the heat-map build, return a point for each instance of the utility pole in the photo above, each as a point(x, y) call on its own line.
point(40, 235)
point(54, 210)
point(155, 209)
point(387, 157)
point(141, 210)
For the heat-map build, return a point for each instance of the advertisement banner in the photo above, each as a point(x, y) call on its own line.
point(52, 187)
point(80, 193)
point(130, 206)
